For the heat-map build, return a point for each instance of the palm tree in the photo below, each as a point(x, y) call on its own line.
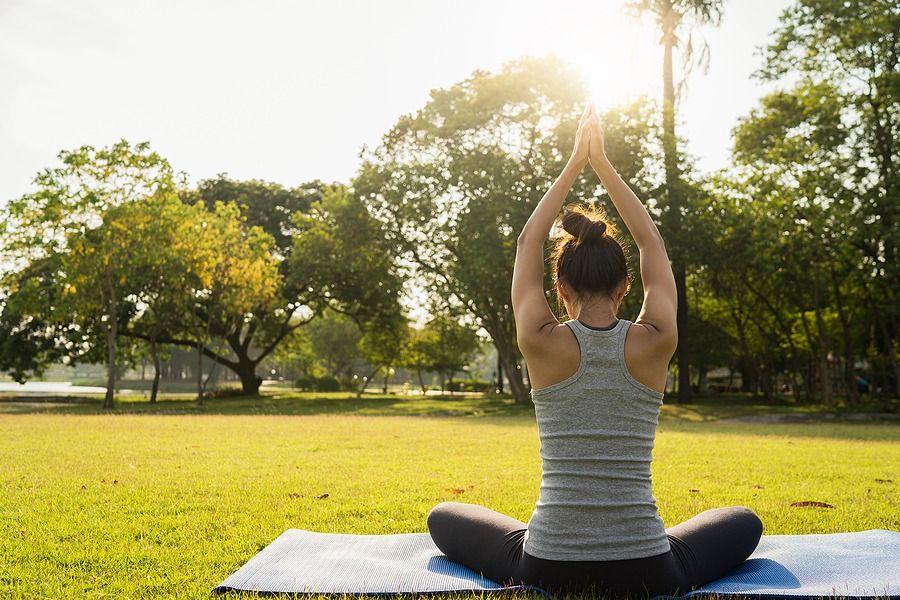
point(674, 17)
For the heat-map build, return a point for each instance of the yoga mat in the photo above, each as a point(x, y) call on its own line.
point(864, 564)
point(337, 563)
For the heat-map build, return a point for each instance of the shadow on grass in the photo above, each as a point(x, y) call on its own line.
point(276, 402)
point(731, 414)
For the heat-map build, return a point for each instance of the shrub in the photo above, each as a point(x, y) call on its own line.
point(469, 385)
point(305, 383)
point(477, 385)
point(327, 383)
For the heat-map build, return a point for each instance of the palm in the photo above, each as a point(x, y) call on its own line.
point(596, 148)
point(581, 152)
point(597, 145)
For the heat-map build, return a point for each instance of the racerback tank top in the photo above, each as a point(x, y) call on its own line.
point(597, 429)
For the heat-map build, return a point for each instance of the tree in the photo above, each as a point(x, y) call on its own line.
point(329, 254)
point(341, 259)
point(853, 47)
point(157, 265)
point(672, 17)
point(382, 347)
point(32, 336)
point(73, 197)
point(443, 345)
point(455, 182)
point(37, 231)
point(334, 338)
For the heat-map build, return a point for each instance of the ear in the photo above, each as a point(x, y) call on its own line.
point(624, 289)
point(561, 289)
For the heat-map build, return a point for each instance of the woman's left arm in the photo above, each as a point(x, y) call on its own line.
point(530, 308)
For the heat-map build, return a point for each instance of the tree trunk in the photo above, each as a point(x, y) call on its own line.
point(701, 377)
point(817, 346)
point(111, 333)
point(849, 355)
point(510, 365)
point(499, 374)
point(681, 351)
point(421, 381)
point(199, 373)
point(891, 357)
point(674, 206)
point(823, 344)
point(366, 382)
point(250, 381)
point(154, 389)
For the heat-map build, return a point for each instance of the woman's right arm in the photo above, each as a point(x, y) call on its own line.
point(660, 295)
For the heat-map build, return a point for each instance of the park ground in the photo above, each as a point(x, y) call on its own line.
point(166, 501)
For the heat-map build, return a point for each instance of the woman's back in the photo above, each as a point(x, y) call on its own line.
point(597, 430)
point(595, 527)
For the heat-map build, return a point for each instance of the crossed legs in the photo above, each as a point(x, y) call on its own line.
point(703, 548)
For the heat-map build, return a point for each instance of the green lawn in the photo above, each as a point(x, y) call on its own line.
point(152, 503)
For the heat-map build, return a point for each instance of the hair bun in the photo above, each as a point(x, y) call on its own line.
point(581, 227)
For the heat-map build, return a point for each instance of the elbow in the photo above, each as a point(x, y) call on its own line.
point(654, 239)
point(524, 238)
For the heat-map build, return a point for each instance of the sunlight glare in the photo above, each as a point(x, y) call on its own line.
point(618, 55)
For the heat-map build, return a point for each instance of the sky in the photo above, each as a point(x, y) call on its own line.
point(291, 91)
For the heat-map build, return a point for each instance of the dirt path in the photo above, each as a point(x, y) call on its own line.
point(815, 417)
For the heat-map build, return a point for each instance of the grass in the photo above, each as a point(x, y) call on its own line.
point(166, 502)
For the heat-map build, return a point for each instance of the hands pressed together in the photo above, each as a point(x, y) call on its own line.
point(589, 141)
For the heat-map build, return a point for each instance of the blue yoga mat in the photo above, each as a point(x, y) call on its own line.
point(864, 564)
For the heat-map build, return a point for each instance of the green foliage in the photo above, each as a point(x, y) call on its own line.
point(326, 383)
point(74, 196)
point(383, 344)
point(455, 182)
point(266, 205)
point(334, 339)
point(69, 206)
point(801, 252)
point(443, 345)
point(470, 385)
point(32, 335)
point(341, 259)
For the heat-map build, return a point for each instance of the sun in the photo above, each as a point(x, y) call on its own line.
point(619, 56)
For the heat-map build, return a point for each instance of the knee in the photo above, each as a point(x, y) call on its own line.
point(750, 525)
point(438, 520)
point(442, 522)
point(749, 519)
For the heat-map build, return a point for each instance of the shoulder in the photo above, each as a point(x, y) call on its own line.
point(551, 339)
point(552, 354)
point(648, 341)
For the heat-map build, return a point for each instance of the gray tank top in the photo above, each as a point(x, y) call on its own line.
point(597, 429)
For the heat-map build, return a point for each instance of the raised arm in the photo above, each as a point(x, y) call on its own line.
point(532, 313)
point(660, 298)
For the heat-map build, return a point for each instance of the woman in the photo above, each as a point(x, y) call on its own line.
point(597, 385)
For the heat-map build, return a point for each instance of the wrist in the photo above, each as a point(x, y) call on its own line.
point(575, 165)
point(601, 164)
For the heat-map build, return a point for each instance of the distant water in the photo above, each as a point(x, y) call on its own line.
point(50, 388)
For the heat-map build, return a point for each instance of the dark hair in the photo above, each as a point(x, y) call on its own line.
point(589, 257)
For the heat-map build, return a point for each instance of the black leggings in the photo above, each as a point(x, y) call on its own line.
point(703, 548)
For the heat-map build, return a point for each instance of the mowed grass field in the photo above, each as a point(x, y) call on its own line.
point(166, 502)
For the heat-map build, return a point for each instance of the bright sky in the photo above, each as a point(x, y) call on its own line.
point(290, 91)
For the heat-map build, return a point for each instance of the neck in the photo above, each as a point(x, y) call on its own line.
point(598, 313)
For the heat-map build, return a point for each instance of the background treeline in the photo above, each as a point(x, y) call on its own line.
point(786, 262)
